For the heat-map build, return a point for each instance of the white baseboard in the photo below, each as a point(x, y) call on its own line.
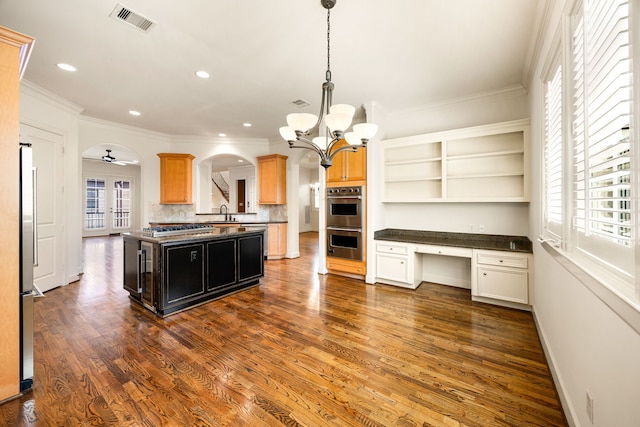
point(567, 407)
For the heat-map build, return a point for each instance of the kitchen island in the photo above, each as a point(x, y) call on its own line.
point(171, 271)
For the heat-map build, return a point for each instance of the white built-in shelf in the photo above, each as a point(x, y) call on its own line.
point(480, 164)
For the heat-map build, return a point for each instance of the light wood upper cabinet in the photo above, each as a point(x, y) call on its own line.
point(175, 178)
point(272, 179)
point(14, 52)
point(348, 166)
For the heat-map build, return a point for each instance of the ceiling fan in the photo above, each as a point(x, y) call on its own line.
point(108, 158)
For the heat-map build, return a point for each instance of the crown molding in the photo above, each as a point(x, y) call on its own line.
point(51, 98)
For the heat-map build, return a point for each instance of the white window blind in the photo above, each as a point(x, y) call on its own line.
point(601, 119)
point(553, 155)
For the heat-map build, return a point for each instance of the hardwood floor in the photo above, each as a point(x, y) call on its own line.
point(300, 349)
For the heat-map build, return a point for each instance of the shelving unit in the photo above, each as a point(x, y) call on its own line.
point(415, 169)
point(480, 164)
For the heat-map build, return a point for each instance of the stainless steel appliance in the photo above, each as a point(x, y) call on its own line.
point(28, 258)
point(345, 206)
point(345, 222)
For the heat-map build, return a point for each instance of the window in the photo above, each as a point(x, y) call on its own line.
point(95, 203)
point(601, 118)
point(588, 130)
point(553, 153)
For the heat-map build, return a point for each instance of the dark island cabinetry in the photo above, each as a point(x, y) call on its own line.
point(167, 275)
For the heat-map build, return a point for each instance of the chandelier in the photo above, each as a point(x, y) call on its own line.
point(336, 119)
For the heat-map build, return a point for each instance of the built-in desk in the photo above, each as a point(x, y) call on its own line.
point(497, 269)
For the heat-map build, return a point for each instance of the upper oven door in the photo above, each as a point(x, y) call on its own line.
point(344, 211)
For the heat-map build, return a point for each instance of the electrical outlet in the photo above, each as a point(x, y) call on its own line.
point(481, 227)
point(471, 227)
point(590, 406)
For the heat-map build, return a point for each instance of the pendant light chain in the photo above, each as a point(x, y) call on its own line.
point(328, 75)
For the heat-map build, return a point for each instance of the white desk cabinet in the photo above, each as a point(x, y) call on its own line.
point(501, 276)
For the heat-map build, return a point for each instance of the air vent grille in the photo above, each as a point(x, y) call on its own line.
point(124, 14)
point(300, 103)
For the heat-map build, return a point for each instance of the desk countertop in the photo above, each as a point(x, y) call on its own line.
point(492, 242)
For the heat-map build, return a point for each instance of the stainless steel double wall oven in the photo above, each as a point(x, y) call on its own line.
point(345, 222)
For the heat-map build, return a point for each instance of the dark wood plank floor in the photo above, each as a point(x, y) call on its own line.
point(301, 349)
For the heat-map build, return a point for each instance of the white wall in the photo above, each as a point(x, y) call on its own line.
point(588, 345)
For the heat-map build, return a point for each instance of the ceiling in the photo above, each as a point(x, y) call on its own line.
point(262, 55)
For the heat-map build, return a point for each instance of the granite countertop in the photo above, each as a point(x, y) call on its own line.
point(493, 242)
point(214, 233)
point(221, 222)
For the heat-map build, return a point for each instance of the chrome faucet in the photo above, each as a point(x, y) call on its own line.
point(226, 212)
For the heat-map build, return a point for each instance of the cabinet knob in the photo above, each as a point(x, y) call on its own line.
point(401, 262)
point(484, 274)
point(501, 260)
point(439, 252)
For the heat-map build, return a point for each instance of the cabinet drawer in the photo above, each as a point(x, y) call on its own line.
point(346, 266)
point(390, 248)
point(503, 284)
point(445, 250)
point(504, 260)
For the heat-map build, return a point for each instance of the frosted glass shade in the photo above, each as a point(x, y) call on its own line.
point(301, 121)
point(365, 130)
point(342, 109)
point(338, 121)
point(352, 138)
point(287, 133)
point(320, 141)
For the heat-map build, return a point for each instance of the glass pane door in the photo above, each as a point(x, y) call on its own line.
point(108, 202)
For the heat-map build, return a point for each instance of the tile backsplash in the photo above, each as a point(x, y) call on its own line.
point(187, 213)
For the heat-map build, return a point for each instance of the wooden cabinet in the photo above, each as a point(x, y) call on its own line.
point(221, 264)
point(169, 276)
point(277, 237)
point(272, 179)
point(175, 178)
point(346, 267)
point(480, 164)
point(501, 276)
point(14, 52)
point(348, 167)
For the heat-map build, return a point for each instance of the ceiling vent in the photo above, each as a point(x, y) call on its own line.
point(300, 103)
point(124, 14)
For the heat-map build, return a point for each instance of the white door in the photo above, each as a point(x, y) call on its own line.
point(49, 214)
point(107, 205)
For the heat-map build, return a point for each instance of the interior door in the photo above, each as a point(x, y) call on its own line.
point(107, 205)
point(241, 196)
point(49, 214)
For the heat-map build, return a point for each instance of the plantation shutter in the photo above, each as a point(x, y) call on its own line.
point(553, 154)
point(602, 115)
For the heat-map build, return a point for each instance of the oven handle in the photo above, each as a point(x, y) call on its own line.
point(345, 197)
point(355, 230)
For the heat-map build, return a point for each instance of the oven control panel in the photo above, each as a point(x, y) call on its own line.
point(344, 191)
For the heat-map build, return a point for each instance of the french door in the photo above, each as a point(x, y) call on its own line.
point(107, 205)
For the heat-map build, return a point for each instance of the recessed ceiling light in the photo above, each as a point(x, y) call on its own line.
point(202, 74)
point(222, 134)
point(66, 67)
point(240, 161)
point(247, 125)
point(134, 112)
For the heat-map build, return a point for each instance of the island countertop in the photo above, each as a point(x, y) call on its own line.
point(493, 242)
point(214, 233)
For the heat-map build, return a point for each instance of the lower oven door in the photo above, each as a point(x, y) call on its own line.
point(344, 243)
